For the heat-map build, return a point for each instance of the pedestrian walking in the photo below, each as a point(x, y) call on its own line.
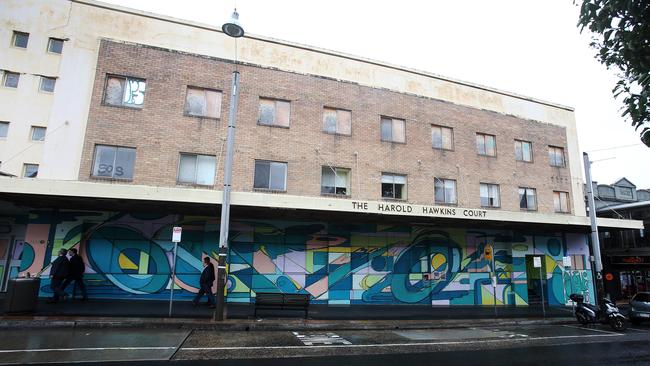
point(76, 274)
point(206, 282)
point(58, 273)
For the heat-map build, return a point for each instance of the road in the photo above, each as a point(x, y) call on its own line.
point(565, 344)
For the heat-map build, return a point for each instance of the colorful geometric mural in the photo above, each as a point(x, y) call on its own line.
point(130, 256)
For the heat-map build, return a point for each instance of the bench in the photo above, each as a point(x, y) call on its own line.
point(275, 300)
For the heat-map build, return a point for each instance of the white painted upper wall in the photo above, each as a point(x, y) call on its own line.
point(85, 22)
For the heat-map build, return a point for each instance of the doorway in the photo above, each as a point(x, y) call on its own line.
point(536, 283)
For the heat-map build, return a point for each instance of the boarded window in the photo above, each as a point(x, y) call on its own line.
point(114, 162)
point(203, 102)
point(270, 175)
point(47, 84)
point(393, 186)
point(10, 79)
point(561, 201)
point(124, 91)
point(523, 151)
point(442, 138)
point(486, 144)
point(393, 130)
point(274, 112)
point(55, 45)
point(337, 121)
point(197, 169)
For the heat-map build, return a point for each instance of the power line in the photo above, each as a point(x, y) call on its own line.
point(615, 147)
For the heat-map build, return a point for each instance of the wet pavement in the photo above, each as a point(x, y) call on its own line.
point(486, 345)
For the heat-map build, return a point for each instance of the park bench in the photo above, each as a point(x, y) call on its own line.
point(275, 300)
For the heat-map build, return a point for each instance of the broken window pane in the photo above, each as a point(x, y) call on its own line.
point(114, 91)
point(195, 104)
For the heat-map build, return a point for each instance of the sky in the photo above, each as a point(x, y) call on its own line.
point(528, 47)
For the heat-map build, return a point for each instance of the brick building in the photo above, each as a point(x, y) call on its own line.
point(355, 181)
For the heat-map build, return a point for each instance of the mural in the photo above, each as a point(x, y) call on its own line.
point(130, 256)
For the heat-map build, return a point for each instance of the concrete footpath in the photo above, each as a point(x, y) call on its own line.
point(97, 313)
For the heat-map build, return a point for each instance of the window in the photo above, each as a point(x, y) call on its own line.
point(523, 151)
point(490, 195)
point(274, 112)
point(393, 186)
point(114, 162)
point(337, 121)
point(4, 129)
point(625, 192)
point(270, 175)
point(20, 39)
point(124, 91)
point(442, 138)
point(47, 84)
point(392, 130)
point(38, 133)
point(30, 170)
point(10, 79)
point(201, 102)
point(445, 191)
point(197, 169)
point(556, 156)
point(527, 198)
point(335, 181)
point(55, 45)
point(561, 201)
point(486, 144)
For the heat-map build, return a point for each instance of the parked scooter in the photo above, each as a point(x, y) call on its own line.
point(608, 313)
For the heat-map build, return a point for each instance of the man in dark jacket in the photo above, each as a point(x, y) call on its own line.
point(58, 273)
point(76, 274)
point(206, 282)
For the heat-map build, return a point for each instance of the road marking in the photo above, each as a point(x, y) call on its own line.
point(416, 344)
point(87, 349)
point(593, 330)
point(320, 338)
point(640, 330)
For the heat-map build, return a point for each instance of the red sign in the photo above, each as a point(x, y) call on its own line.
point(631, 259)
point(609, 276)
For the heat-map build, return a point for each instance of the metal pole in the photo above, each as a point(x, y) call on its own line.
point(541, 283)
point(219, 312)
point(171, 292)
point(595, 242)
point(494, 283)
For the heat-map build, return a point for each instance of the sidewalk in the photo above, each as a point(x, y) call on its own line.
point(98, 313)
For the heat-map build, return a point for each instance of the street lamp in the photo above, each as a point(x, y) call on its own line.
point(595, 242)
point(233, 29)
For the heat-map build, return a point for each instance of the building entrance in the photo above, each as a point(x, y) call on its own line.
point(536, 284)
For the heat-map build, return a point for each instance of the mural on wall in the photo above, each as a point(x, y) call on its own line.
point(130, 255)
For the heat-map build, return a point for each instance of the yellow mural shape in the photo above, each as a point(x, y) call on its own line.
point(126, 263)
point(437, 261)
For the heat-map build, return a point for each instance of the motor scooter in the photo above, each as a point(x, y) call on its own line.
point(608, 313)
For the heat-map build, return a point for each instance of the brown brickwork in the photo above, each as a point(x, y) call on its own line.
point(160, 132)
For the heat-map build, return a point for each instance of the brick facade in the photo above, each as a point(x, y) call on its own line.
point(160, 131)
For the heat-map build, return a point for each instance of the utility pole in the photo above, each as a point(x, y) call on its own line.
point(595, 242)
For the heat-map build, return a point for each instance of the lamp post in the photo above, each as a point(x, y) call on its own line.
point(595, 242)
point(233, 29)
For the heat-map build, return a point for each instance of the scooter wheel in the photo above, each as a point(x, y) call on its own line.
point(617, 324)
point(582, 319)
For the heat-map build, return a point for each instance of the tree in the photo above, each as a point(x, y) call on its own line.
point(621, 35)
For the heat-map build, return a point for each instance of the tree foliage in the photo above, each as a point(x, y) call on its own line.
point(621, 35)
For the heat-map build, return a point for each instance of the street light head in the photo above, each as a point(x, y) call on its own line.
point(233, 27)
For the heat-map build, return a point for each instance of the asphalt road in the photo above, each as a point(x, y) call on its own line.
point(522, 345)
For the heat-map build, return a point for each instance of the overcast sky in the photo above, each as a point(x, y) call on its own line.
point(528, 47)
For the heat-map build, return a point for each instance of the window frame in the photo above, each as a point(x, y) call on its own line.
point(275, 111)
point(484, 135)
point(551, 162)
point(269, 189)
point(40, 84)
point(335, 171)
point(33, 129)
point(336, 132)
point(441, 137)
point(498, 191)
point(14, 38)
point(526, 189)
point(567, 201)
point(5, 74)
point(392, 119)
point(532, 157)
point(196, 170)
point(122, 103)
point(92, 167)
point(49, 43)
point(25, 165)
point(8, 124)
point(404, 189)
point(187, 114)
point(444, 191)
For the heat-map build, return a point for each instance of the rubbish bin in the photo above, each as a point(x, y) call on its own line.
point(22, 295)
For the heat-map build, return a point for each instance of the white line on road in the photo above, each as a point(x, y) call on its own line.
point(86, 349)
point(593, 330)
point(397, 344)
point(640, 330)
